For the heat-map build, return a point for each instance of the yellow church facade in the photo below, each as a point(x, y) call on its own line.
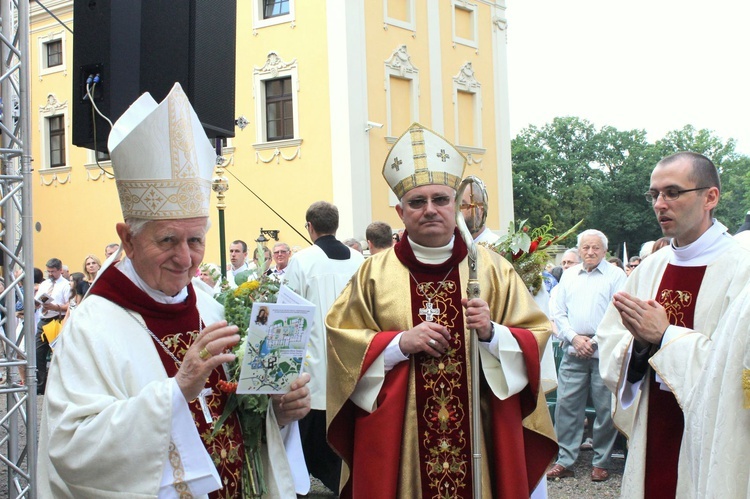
point(323, 88)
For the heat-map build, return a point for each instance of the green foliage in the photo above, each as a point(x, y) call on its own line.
point(573, 171)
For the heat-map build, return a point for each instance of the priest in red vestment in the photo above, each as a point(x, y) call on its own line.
point(133, 392)
point(399, 376)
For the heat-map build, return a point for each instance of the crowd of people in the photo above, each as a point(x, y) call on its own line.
point(386, 405)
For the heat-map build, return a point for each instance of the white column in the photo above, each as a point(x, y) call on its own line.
point(350, 146)
point(436, 67)
point(504, 201)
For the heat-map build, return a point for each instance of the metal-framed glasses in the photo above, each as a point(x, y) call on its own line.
point(670, 194)
point(419, 203)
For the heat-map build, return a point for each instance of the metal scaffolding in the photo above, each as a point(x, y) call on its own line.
point(18, 400)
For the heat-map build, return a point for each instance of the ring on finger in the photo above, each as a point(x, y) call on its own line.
point(432, 343)
point(205, 354)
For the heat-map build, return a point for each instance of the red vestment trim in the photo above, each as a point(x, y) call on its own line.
point(176, 325)
point(371, 443)
point(678, 293)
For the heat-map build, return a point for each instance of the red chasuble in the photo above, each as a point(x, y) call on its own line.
point(678, 292)
point(443, 406)
point(177, 326)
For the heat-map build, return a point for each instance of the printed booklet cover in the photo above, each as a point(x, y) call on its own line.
point(276, 344)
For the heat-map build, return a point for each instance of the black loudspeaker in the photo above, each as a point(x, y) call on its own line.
point(134, 46)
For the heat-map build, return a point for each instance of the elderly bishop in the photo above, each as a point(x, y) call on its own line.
point(133, 394)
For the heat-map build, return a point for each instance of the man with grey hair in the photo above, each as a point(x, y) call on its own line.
point(379, 237)
point(320, 273)
point(142, 359)
point(353, 244)
point(570, 258)
point(281, 253)
point(111, 249)
point(583, 295)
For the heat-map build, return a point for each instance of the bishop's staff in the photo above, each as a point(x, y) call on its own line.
point(478, 208)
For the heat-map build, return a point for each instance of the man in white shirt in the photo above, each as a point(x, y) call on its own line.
point(583, 295)
point(281, 253)
point(53, 294)
point(237, 261)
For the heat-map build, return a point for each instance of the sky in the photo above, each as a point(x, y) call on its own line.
point(656, 65)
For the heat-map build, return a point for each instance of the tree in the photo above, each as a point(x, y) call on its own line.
point(734, 169)
point(570, 170)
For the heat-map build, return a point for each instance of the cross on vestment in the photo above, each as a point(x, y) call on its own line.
point(396, 163)
point(443, 155)
point(429, 312)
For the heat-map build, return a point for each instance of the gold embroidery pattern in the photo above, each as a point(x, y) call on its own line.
point(184, 159)
point(674, 301)
point(178, 472)
point(223, 448)
point(746, 387)
point(165, 198)
point(445, 442)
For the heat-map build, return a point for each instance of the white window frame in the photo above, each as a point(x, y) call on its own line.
point(474, 10)
point(399, 65)
point(259, 22)
point(273, 69)
point(465, 81)
point(410, 24)
point(43, 41)
point(51, 109)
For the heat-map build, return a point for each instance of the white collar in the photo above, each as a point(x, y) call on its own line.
point(126, 267)
point(432, 256)
point(703, 250)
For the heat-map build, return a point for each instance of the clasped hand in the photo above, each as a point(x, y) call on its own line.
point(645, 319)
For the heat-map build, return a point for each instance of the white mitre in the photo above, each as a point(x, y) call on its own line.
point(422, 157)
point(162, 159)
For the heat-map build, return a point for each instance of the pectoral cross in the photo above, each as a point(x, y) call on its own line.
point(429, 312)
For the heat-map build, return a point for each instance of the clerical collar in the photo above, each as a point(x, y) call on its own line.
point(705, 249)
point(126, 267)
point(432, 256)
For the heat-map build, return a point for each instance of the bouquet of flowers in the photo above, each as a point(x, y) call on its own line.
point(526, 249)
point(251, 409)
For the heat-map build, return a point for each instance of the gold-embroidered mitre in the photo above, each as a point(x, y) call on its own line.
point(422, 157)
point(162, 159)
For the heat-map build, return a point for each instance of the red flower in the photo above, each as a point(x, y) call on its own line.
point(534, 245)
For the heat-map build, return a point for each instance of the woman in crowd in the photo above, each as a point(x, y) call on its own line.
point(91, 266)
point(78, 288)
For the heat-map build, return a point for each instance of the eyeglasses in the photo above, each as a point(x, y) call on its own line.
point(307, 225)
point(569, 262)
point(670, 194)
point(418, 203)
point(280, 252)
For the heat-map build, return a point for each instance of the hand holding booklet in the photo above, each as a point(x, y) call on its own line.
point(276, 343)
